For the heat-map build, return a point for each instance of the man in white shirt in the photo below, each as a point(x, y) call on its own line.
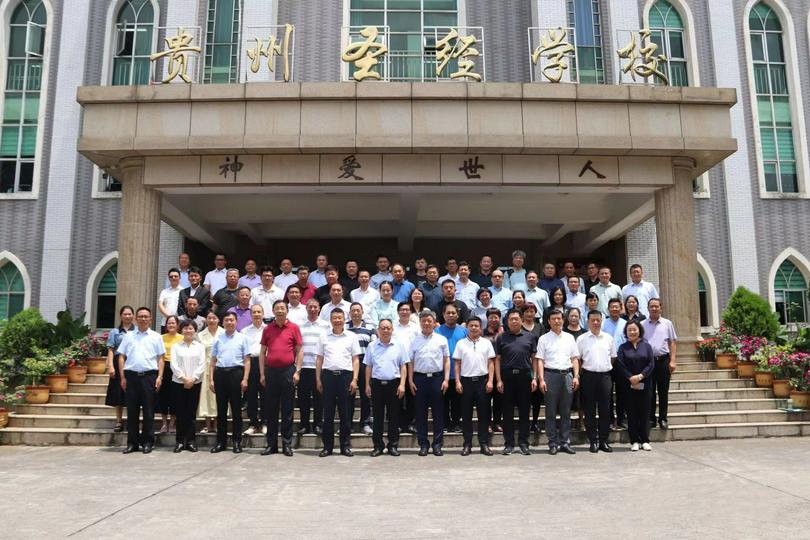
point(336, 301)
point(383, 271)
point(557, 372)
point(606, 290)
point(597, 352)
point(336, 371)
point(475, 365)
point(452, 271)
point(308, 396)
point(296, 311)
point(255, 403)
point(365, 294)
point(215, 279)
point(318, 277)
point(428, 378)
point(404, 328)
point(287, 277)
point(266, 293)
point(574, 298)
point(466, 289)
point(534, 294)
point(643, 290)
point(515, 278)
point(183, 265)
point(169, 297)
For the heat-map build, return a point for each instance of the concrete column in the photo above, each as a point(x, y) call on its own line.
point(138, 238)
point(677, 257)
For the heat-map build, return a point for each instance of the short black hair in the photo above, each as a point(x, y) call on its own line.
point(267, 268)
point(637, 325)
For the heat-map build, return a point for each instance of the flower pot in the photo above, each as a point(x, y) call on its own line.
point(58, 383)
point(745, 369)
point(726, 360)
point(709, 355)
point(37, 395)
point(77, 374)
point(764, 379)
point(801, 399)
point(3, 417)
point(781, 388)
point(96, 365)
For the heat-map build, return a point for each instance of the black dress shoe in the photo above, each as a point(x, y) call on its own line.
point(287, 450)
point(393, 451)
point(178, 448)
point(268, 450)
point(217, 448)
point(423, 451)
point(485, 450)
point(190, 447)
point(552, 450)
point(411, 429)
point(594, 448)
point(437, 451)
point(131, 448)
point(237, 448)
point(567, 449)
point(605, 447)
point(622, 424)
point(652, 423)
point(325, 453)
point(377, 452)
point(663, 424)
point(147, 448)
point(507, 450)
point(524, 449)
point(347, 452)
point(465, 451)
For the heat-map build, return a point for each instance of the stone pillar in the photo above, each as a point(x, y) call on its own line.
point(138, 238)
point(677, 256)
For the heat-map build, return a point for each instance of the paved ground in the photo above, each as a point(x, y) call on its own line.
point(756, 488)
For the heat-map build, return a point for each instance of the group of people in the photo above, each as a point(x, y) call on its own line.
point(408, 342)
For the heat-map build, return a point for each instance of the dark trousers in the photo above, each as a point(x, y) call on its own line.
point(165, 397)
point(638, 413)
point(186, 402)
point(659, 383)
point(475, 393)
point(336, 395)
point(255, 396)
point(619, 411)
point(595, 389)
point(452, 406)
point(497, 406)
point(407, 412)
point(279, 393)
point(429, 394)
point(365, 402)
point(141, 397)
point(537, 403)
point(517, 390)
point(308, 396)
point(228, 390)
point(384, 399)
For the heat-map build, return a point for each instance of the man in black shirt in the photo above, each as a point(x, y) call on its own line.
point(514, 350)
point(225, 298)
point(349, 279)
point(322, 293)
point(418, 274)
point(484, 275)
point(449, 297)
point(196, 290)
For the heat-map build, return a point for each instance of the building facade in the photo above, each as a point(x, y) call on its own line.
point(61, 213)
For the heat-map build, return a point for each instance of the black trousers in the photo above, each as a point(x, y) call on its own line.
point(309, 397)
point(365, 402)
point(429, 394)
point(537, 403)
point(165, 396)
point(595, 389)
point(141, 396)
point(659, 383)
point(186, 402)
point(279, 393)
point(384, 400)
point(407, 412)
point(619, 410)
point(452, 406)
point(497, 406)
point(336, 396)
point(517, 390)
point(475, 393)
point(228, 387)
point(255, 396)
point(638, 413)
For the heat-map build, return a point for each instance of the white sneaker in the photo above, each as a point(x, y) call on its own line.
point(249, 431)
point(264, 430)
point(367, 430)
point(634, 447)
point(646, 447)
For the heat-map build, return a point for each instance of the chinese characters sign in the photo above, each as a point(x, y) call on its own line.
point(638, 58)
point(269, 42)
point(552, 53)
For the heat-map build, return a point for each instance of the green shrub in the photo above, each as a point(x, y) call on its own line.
point(750, 315)
point(67, 329)
point(38, 366)
point(23, 335)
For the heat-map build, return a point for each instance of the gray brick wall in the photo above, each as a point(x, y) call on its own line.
point(317, 27)
point(506, 44)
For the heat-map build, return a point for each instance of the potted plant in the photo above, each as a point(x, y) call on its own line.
point(783, 366)
point(749, 345)
point(58, 381)
point(727, 347)
point(96, 354)
point(36, 369)
point(706, 348)
point(8, 397)
point(800, 395)
point(74, 356)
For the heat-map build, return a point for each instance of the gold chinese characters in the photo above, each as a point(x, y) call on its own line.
point(364, 54)
point(273, 48)
point(452, 47)
point(179, 48)
point(642, 61)
point(554, 47)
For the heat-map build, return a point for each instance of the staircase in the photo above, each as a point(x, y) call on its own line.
point(704, 403)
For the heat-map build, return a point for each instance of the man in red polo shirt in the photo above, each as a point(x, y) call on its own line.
point(280, 360)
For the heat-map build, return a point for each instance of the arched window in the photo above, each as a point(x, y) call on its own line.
point(222, 41)
point(790, 293)
point(105, 298)
point(667, 31)
point(134, 29)
point(773, 109)
point(12, 291)
point(584, 16)
point(703, 301)
point(21, 97)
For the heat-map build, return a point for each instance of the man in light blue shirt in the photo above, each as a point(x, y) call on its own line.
point(230, 369)
point(386, 362)
point(515, 278)
point(402, 287)
point(606, 290)
point(383, 271)
point(644, 291)
point(534, 294)
point(140, 358)
point(453, 333)
point(501, 295)
point(574, 298)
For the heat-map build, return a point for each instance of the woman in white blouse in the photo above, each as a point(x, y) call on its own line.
point(208, 401)
point(188, 367)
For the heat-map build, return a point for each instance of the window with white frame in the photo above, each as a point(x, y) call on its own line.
point(134, 29)
point(12, 291)
point(21, 98)
point(773, 108)
point(222, 41)
point(585, 17)
point(667, 31)
point(790, 293)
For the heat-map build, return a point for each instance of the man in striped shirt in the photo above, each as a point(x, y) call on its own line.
point(365, 335)
point(311, 331)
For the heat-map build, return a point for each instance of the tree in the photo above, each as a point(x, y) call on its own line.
point(749, 314)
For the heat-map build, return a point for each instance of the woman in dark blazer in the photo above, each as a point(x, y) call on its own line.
point(635, 363)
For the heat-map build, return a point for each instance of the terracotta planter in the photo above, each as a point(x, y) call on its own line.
point(781, 388)
point(801, 399)
point(764, 379)
point(726, 360)
point(745, 369)
point(58, 383)
point(37, 395)
point(77, 374)
point(96, 365)
point(3, 417)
